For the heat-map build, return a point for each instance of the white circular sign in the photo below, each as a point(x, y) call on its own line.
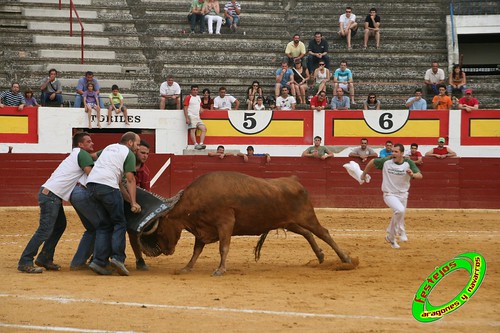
point(384, 121)
point(250, 122)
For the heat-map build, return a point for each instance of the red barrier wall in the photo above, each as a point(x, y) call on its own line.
point(449, 183)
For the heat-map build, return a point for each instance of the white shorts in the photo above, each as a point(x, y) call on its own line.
point(344, 86)
point(195, 122)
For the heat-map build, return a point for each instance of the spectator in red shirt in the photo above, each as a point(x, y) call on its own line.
point(415, 155)
point(467, 102)
point(318, 102)
point(142, 176)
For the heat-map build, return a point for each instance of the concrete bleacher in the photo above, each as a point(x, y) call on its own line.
point(136, 43)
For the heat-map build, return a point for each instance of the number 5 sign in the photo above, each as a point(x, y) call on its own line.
point(250, 122)
point(386, 122)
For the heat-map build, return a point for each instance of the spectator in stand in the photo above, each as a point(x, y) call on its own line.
point(251, 152)
point(372, 28)
point(284, 78)
point(285, 102)
point(415, 155)
point(225, 102)
point(442, 101)
point(211, 10)
point(116, 104)
point(457, 81)
point(348, 26)
point(342, 78)
point(371, 103)
point(441, 151)
point(12, 97)
point(232, 11)
point(387, 151)
point(207, 103)
point(196, 15)
point(301, 77)
point(28, 97)
point(170, 94)
point(417, 102)
point(259, 106)
point(91, 102)
point(317, 151)
point(192, 111)
point(51, 89)
point(295, 50)
point(363, 152)
point(318, 102)
point(467, 102)
point(317, 51)
point(253, 92)
point(321, 77)
point(81, 87)
point(339, 101)
point(221, 153)
point(434, 77)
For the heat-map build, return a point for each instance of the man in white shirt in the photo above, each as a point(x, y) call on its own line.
point(348, 26)
point(285, 101)
point(225, 102)
point(115, 162)
point(192, 111)
point(434, 77)
point(170, 94)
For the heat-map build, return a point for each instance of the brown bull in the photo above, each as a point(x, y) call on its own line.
point(218, 205)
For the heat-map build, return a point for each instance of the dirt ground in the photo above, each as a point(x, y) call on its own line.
point(287, 290)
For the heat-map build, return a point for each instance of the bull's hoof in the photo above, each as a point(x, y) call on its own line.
point(184, 270)
point(321, 257)
point(218, 272)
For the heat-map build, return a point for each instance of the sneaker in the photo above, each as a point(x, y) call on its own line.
point(141, 265)
point(403, 237)
point(393, 243)
point(192, 31)
point(198, 147)
point(29, 269)
point(78, 267)
point(119, 266)
point(49, 266)
point(203, 146)
point(99, 269)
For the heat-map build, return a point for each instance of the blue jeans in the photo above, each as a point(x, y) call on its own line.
point(235, 19)
point(79, 101)
point(313, 62)
point(197, 17)
point(112, 226)
point(88, 213)
point(50, 230)
point(46, 99)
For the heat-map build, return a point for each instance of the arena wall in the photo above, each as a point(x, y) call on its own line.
point(450, 183)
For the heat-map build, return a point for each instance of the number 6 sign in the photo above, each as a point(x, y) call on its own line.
point(386, 122)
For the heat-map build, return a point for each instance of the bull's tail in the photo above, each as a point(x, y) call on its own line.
point(258, 247)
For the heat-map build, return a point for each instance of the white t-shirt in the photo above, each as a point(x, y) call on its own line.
point(64, 178)
point(224, 103)
point(285, 103)
point(395, 180)
point(344, 20)
point(434, 78)
point(174, 89)
point(194, 105)
point(109, 167)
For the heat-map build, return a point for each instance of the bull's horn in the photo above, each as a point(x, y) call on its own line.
point(149, 231)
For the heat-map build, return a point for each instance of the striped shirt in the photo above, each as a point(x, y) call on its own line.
point(10, 99)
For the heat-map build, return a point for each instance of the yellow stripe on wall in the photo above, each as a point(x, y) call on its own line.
point(485, 127)
point(13, 124)
point(358, 128)
point(277, 128)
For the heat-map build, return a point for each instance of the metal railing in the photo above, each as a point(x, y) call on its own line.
point(72, 9)
point(475, 7)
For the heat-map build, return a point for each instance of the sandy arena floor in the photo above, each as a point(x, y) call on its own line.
point(287, 290)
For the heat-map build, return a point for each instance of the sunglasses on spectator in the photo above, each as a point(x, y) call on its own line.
point(322, 64)
point(371, 97)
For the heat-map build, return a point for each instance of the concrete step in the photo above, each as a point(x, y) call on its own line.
point(76, 40)
point(56, 2)
point(52, 53)
point(54, 26)
point(42, 12)
point(104, 83)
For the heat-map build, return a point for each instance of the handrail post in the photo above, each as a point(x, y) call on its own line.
point(71, 18)
point(82, 45)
